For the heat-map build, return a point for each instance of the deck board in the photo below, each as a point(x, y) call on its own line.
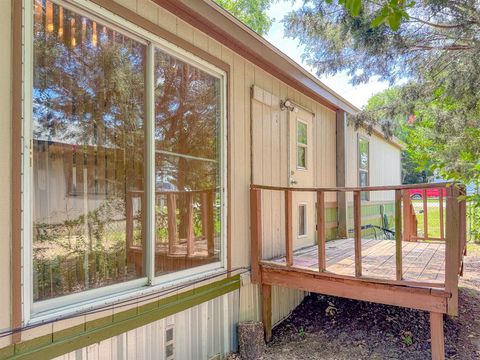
point(422, 261)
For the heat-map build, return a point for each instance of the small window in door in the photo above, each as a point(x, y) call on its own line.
point(302, 220)
point(302, 131)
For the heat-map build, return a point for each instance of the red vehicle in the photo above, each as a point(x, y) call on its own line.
point(417, 194)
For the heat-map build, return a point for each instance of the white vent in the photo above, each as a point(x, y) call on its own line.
point(169, 343)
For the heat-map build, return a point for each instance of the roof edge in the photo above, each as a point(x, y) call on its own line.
point(218, 23)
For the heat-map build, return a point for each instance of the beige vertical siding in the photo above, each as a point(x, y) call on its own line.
point(384, 162)
point(201, 332)
point(5, 164)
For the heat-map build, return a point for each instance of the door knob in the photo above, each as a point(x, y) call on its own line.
point(293, 182)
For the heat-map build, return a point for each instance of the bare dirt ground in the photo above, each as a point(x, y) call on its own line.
point(324, 327)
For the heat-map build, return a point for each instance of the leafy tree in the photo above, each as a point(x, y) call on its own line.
point(432, 46)
point(252, 12)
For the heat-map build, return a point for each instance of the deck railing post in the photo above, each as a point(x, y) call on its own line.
point(288, 228)
point(256, 233)
point(425, 214)
point(172, 222)
point(452, 245)
point(398, 234)
point(407, 218)
point(190, 234)
point(357, 215)
point(211, 222)
point(440, 208)
point(321, 230)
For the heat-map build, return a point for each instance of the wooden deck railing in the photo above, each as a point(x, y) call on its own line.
point(206, 200)
point(405, 230)
point(410, 215)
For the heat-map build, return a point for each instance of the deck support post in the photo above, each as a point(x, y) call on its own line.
point(321, 230)
point(437, 336)
point(267, 311)
point(288, 228)
point(398, 234)
point(452, 244)
point(342, 209)
point(256, 233)
point(357, 215)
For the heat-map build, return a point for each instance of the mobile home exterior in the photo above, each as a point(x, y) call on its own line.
point(133, 130)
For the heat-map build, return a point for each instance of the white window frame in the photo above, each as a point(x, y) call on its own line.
point(305, 220)
point(365, 139)
point(89, 299)
point(302, 145)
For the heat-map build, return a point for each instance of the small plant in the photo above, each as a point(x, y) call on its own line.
point(301, 332)
point(407, 338)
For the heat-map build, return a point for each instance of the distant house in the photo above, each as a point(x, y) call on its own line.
point(155, 161)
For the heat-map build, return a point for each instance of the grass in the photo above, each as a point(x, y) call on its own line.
point(433, 217)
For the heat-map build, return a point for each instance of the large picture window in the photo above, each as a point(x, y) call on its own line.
point(363, 165)
point(89, 164)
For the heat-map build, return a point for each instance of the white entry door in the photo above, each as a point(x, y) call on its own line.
point(301, 175)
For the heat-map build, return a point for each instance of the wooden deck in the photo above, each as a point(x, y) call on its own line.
point(422, 261)
point(410, 271)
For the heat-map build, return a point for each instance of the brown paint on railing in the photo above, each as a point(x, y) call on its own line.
point(190, 234)
point(425, 213)
point(172, 222)
point(321, 230)
point(440, 207)
point(357, 188)
point(407, 218)
point(211, 223)
point(288, 228)
point(452, 248)
point(357, 215)
point(398, 235)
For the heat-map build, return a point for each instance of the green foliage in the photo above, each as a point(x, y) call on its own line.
point(251, 12)
point(436, 54)
point(407, 338)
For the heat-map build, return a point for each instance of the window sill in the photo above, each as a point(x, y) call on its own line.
point(162, 285)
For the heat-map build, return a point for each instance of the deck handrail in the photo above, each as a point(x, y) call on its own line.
point(358, 188)
point(455, 236)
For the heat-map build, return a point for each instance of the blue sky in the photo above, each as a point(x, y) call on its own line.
point(357, 95)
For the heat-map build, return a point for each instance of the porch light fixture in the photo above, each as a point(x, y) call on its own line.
point(287, 105)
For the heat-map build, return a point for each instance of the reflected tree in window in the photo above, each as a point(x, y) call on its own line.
point(88, 147)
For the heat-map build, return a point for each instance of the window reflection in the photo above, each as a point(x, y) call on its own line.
point(187, 165)
point(88, 153)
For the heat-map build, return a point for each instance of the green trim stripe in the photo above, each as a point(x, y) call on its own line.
point(67, 340)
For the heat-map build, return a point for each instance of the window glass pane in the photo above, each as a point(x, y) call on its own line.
point(88, 154)
point(363, 178)
point(363, 154)
point(301, 133)
point(302, 220)
point(187, 165)
point(301, 157)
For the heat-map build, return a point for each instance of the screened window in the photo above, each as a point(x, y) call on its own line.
point(302, 144)
point(89, 163)
point(363, 165)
